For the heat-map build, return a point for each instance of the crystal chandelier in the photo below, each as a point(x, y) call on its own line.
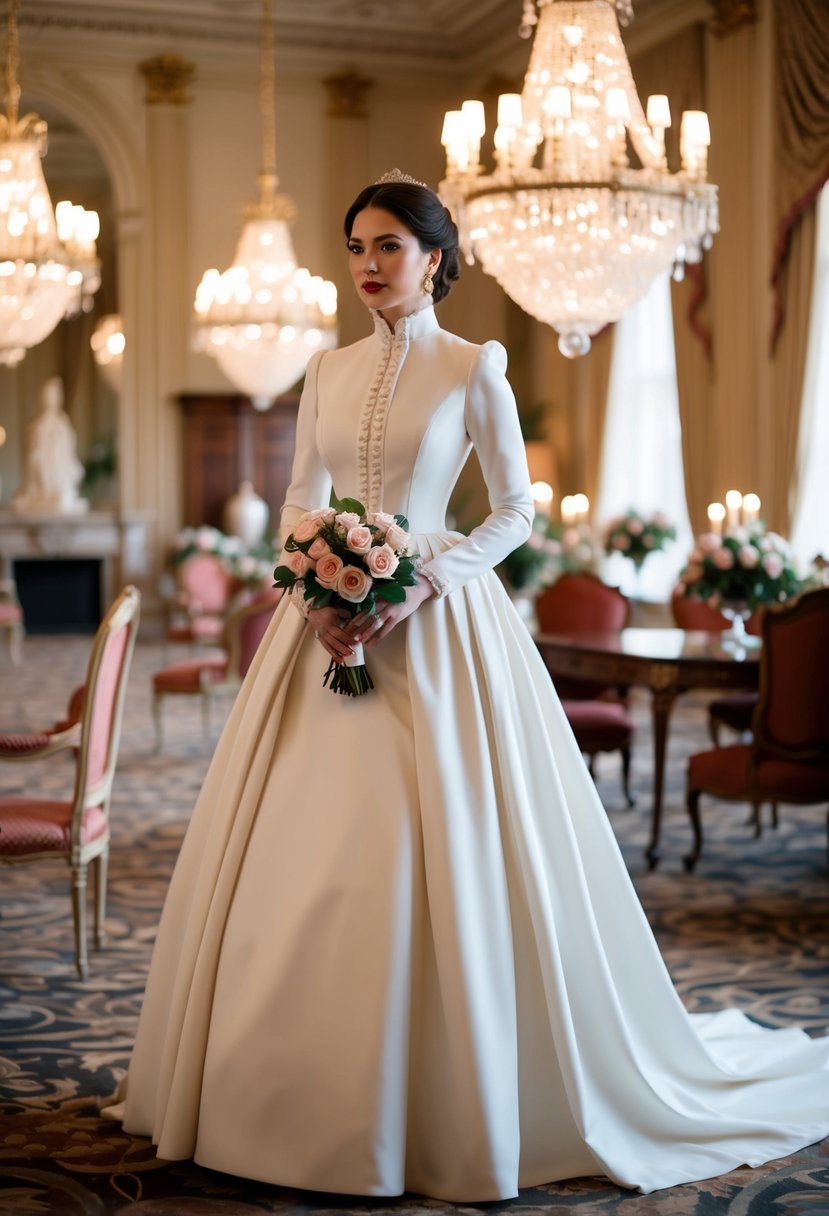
point(48, 264)
point(569, 229)
point(263, 318)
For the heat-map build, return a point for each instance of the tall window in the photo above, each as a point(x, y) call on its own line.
point(641, 465)
point(810, 526)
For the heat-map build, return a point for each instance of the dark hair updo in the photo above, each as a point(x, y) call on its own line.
point(420, 209)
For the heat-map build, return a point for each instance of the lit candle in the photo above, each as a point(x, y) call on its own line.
point(542, 497)
point(733, 503)
point(716, 515)
point(581, 505)
point(751, 509)
point(568, 509)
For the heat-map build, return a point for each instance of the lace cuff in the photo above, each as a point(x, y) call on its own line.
point(440, 587)
point(297, 594)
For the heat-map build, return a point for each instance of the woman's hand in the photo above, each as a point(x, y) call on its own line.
point(371, 627)
point(328, 625)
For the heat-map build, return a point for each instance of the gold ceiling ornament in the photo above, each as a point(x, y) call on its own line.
point(572, 232)
point(729, 15)
point(168, 78)
point(264, 317)
point(347, 94)
point(48, 263)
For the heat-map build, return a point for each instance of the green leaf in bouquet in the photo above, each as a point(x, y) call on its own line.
point(290, 544)
point(402, 522)
point(322, 600)
point(284, 576)
point(348, 504)
point(392, 593)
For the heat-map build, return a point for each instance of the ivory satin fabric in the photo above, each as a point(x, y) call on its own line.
point(400, 948)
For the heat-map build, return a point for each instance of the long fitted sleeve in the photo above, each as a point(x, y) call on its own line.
point(492, 425)
point(310, 480)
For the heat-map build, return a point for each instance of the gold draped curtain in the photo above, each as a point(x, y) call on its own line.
point(801, 147)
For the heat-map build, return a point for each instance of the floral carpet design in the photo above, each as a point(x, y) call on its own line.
point(749, 928)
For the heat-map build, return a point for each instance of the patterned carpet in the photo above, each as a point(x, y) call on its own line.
point(750, 929)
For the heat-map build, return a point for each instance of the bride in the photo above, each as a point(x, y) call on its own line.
point(400, 950)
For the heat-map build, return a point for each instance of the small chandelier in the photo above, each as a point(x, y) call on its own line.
point(571, 232)
point(264, 318)
point(108, 345)
point(48, 265)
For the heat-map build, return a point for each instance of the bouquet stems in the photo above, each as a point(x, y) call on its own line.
point(351, 677)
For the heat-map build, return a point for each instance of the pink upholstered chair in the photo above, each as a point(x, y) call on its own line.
point(198, 611)
point(212, 675)
point(578, 604)
point(788, 757)
point(11, 618)
point(76, 830)
point(736, 709)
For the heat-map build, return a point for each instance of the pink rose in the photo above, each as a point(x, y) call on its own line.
point(553, 547)
point(709, 542)
point(570, 538)
point(318, 549)
point(300, 564)
point(648, 541)
point(397, 537)
point(381, 520)
point(353, 584)
point(723, 558)
point(748, 557)
point(692, 573)
point(382, 561)
point(328, 569)
point(773, 565)
point(325, 515)
point(535, 541)
point(621, 542)
point(635, 527)
point(358, 539)
point(306, 529)
point(205, 539)
point(347, 520)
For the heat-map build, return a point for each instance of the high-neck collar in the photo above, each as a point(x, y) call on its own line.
point(415, 325)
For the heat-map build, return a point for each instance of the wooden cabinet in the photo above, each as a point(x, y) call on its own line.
point(226, 441)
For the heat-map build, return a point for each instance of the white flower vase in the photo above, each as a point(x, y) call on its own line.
point(246, 515)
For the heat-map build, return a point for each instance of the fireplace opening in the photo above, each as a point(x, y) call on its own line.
point(59, 595)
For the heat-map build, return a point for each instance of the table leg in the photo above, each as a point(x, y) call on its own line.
point(661, 706)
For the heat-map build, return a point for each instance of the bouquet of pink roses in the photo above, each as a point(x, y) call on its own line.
point(349, 558)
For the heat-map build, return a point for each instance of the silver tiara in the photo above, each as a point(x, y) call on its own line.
point(395, 175)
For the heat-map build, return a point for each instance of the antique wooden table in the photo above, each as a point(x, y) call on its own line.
point(668, 662)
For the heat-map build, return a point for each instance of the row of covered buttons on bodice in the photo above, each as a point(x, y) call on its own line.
point(392, 352)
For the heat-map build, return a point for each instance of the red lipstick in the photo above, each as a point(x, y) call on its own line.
point(372, 287)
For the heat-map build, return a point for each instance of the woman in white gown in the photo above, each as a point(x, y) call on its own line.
point(400, 949)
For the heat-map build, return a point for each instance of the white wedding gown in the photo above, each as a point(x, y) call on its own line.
point(400, 949)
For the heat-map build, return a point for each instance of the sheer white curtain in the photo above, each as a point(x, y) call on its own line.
point(641, 465)
point(810, 525)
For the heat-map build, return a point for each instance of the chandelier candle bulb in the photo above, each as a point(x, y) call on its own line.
point(694, 141)
point(543, 496)
point(716, 516)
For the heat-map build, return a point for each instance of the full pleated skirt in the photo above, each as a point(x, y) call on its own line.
point(401, 951)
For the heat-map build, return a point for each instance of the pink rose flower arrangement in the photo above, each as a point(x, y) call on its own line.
point(353, 560)
point(741, 569)
point(635, 535)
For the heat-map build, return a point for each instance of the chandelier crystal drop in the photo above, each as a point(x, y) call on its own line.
point(570, 230)
point(264, 317)
point(48, 263)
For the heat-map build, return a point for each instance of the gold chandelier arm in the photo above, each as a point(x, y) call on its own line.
point(12, 64)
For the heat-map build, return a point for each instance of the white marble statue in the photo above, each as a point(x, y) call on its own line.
point(53, 472)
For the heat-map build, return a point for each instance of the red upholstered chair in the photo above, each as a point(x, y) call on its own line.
point(579, 604)
point(788, 758)
point(11, 618)
point(210, 676)
point(204, 590)
point(76, 830)
point(736, 709)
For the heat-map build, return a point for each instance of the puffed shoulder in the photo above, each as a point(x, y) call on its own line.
point(494, 354)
